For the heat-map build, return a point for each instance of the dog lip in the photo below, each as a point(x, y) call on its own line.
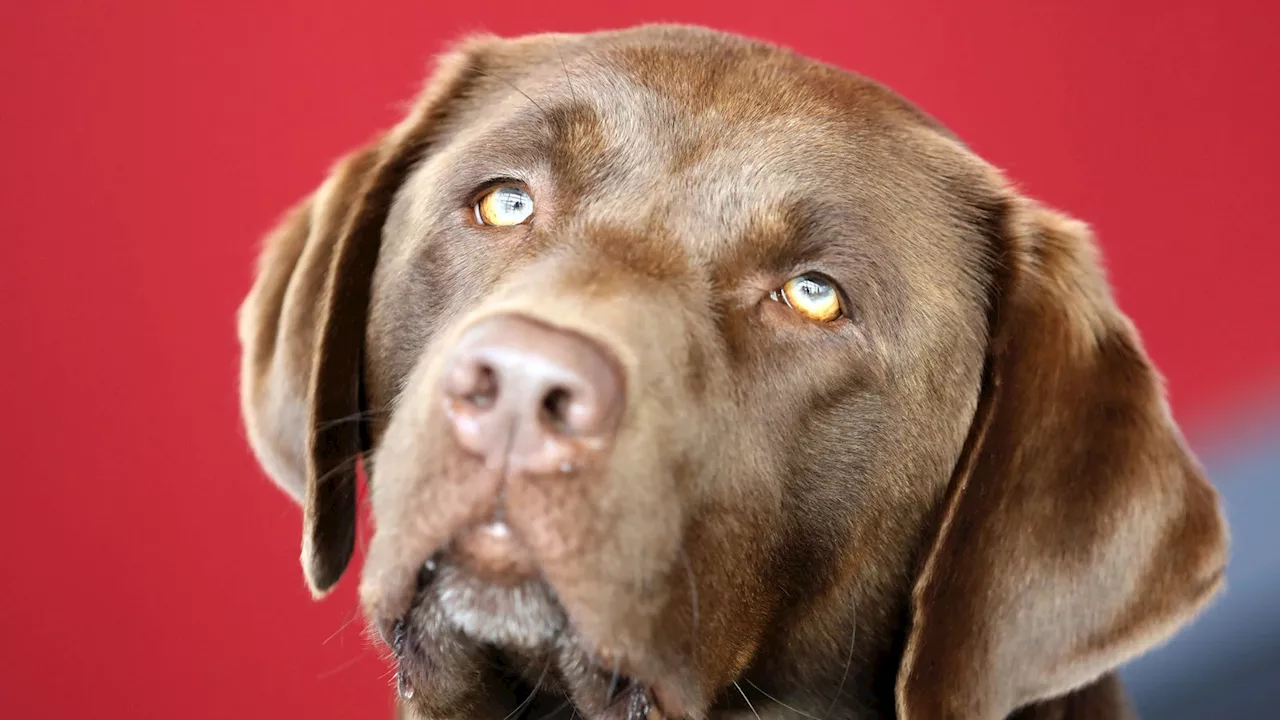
point(495, 528)
point(492, 551)
point(667, 701)
point(661, 693)
point(650, 699)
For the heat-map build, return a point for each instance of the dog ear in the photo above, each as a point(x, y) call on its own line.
point(1078, 530)
point(302, 325)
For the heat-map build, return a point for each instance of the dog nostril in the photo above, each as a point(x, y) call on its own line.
point(516, 392)
point(473, 382)
point(556, 406)
point(485, 388)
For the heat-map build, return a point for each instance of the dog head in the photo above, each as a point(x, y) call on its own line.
point(676, 359)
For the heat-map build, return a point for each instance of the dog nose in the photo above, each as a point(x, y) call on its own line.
point(532, 398)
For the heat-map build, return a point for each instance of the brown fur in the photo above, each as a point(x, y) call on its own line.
point(967, 499)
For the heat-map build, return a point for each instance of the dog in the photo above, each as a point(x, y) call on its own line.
point(693, 378)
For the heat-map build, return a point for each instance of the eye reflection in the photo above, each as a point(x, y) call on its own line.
point(811, 295)
point(504, 206)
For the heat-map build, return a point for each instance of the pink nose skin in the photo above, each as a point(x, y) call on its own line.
point(532, 399)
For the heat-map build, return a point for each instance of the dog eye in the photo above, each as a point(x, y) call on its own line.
point(811, 295)
point(504, 206)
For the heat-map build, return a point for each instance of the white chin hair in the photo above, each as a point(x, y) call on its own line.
point(521, 617)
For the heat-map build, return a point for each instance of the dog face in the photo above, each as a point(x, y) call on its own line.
point(676, 359)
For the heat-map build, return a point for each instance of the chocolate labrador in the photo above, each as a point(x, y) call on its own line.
point(696, 379)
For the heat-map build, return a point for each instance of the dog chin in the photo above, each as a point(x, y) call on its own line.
point(525, 622)
point(523, 616)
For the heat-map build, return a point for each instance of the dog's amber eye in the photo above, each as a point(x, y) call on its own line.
point(504, 206)
point(813, 296)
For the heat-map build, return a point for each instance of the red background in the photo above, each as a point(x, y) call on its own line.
point(150, 569)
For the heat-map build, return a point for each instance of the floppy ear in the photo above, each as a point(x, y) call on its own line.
point(302, 326)
point(1078, 530)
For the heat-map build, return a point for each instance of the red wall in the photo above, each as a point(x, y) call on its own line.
point(150, 569)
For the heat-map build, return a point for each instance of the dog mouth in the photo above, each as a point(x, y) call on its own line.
point(483, 592)
point(492, 552)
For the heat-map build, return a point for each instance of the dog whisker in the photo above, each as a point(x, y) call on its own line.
point(343, 666)
point(747, 699)
point(513, 86)
point(518, 712)
point(853, 640)
point(775, 700)
point(337, 469)
point(353, 417)
point(555, 711)
point(353, 617)
point(564, 66)
point(613, 681)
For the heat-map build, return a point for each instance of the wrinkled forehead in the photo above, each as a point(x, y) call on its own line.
point(684, 113)
point(708, 138)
